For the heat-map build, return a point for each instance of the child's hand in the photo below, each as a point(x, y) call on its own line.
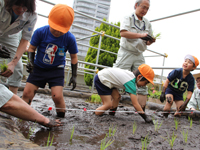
point(162, 97)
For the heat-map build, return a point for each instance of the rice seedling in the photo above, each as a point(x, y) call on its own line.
point(3, 66)
point(157, 36)
point(156, 125)
point(190, 120)
point(176, 121)
point(48, 140)
point(105, 143)
point(31, 130)
point(112, 131)
point(170, 141)
point(95, 98)
point(145, 142)
point(72, 133)
point(185, 135)
point(134, 127)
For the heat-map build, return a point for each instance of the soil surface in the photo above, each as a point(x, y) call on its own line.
point(90, 130)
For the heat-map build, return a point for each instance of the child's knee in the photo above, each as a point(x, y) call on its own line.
point(169, 100)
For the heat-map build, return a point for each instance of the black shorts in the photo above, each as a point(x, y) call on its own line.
point(41, 76)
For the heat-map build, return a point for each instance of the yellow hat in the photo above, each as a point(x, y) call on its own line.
point(61, 18)
point(147, 72)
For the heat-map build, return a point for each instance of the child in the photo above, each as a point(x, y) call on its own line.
point(52, 42)
point(178, 81)
point(108, 80)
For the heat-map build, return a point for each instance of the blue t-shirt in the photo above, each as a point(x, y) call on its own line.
point(51, 51)
point(180, 84)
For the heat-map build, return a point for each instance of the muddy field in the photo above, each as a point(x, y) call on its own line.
point(90, 130)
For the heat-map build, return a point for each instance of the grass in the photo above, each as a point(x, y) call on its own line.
point(48, 140)
point(170, 140)
point(134, 127)
point(176, 121)
point(145, 142)
point(190, 120)
point(157, 36)
point(95, 98)
point(185, 135)
point(72, 133)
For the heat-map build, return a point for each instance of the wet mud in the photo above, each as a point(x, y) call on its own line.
point(90, 130)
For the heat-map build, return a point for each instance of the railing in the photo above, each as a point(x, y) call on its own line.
point(93, 72)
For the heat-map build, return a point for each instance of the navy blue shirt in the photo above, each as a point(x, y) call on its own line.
point(51, 51)
point(180, 84)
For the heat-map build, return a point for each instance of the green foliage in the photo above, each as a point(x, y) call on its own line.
point(48, 140)
point(153, 93)
point(145, 142)
point(95, 98)
point(134, 127)
point(108, 44)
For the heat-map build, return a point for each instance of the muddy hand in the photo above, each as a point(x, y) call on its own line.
point(72, 81)
point(30, 64)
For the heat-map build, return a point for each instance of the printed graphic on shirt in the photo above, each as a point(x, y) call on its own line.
point(49, 56)
point(179, 84)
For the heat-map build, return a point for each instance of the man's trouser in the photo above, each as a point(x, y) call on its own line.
point(12, 42)
point(129, 61)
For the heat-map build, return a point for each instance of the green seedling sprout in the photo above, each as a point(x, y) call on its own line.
point(31, 130)
point(105, 144)
point(157, 36)
point(156, 126)
point(72, 133)
point(95, 98)
point(176, 123)
point(112, 131)
point(185, 135)
point(170, 141)
point(145, 142)
point(134, 127)
point(190, 119)
point(3, 66)
point(49, 140)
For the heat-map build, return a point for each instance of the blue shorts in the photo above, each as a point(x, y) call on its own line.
point(176, 96)
point(101, 88)
point(40, 76)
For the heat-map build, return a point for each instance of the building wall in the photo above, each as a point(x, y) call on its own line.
point(95, 8)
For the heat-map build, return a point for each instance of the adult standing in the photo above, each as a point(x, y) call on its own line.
point(17, 21)
point(133, 30)
point(194, 103)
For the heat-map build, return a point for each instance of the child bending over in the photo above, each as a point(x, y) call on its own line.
point(108, 80)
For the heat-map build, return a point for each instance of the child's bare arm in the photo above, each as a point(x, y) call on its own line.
point(135, 103)
point(138, 108)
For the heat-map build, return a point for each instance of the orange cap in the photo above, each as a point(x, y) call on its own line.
point(193, 59)
point(147, 72)
point(61, 18)
point(196, 61)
